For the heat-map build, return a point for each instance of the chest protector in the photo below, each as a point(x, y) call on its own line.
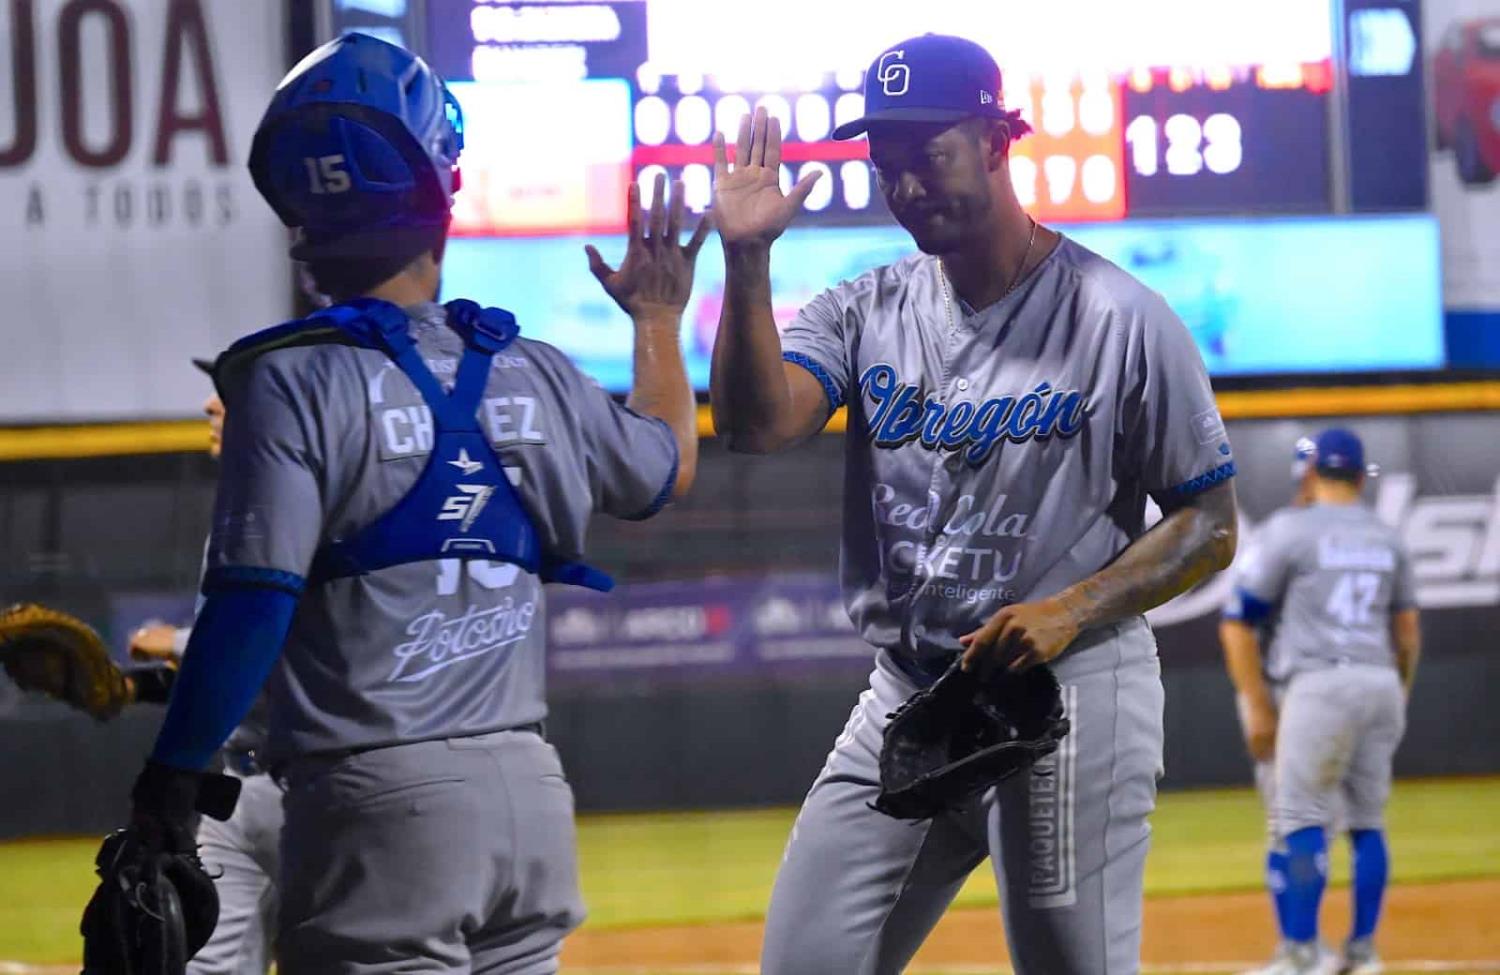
point(463, 505)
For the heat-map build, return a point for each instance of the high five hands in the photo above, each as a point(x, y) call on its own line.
point(749, 207)
point(656, 277)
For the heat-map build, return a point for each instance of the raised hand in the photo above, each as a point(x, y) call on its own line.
point(656, 277)
point(749, 207)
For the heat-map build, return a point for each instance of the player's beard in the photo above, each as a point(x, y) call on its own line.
point(943, 229)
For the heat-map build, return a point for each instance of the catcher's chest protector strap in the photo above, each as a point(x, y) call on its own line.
point(463, 504)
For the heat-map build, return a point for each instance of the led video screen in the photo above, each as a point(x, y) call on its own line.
point(1160, 108)
point(1348, 294)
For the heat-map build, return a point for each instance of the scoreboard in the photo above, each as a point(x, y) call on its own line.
point(1140, 108)
point(1158, 125)
point(1158, 142)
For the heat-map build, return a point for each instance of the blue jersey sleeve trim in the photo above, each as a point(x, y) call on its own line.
point(665, 494)
point(1251, 609)
point(252, 577)
point(830, 388)
point(1203, 482)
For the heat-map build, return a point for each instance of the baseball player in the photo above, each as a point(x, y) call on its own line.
point(1012, 400)
point(399, 479)
point(1258, 722)
point(243, 852)
point(162, 642)
point(1340, 661)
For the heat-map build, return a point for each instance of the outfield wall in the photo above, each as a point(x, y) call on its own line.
point(722, 668)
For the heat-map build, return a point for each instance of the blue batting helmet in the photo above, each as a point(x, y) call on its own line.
point(360, 142)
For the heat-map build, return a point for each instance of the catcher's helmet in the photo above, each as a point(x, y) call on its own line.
point(361, 141)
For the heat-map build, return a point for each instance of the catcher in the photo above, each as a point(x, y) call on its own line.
point(428, 824)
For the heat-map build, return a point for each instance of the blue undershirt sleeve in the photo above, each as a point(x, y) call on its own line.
point(236, 640)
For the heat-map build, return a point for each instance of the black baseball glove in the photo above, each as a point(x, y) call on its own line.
point(156, 906)
point(955, 739)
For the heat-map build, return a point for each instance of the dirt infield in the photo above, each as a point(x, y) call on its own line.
point(1435, 927)
point(1448, 922)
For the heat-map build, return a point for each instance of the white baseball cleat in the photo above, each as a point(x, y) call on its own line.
point(1314, 959)
point(1360, 959)
point(1278, 963)
point(1300, 959)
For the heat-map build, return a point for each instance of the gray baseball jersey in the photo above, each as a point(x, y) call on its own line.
point(1332, 575)
point(1265, 628)
point(994, 457)
point(1265, 632)
point(1000, 456)
point(323, 439)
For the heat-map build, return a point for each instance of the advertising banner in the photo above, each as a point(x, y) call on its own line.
point(1438, 482)
point(1463, 69)
point(131, 237)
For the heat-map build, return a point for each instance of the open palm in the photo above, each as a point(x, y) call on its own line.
point(749, 207)
point(656, 277)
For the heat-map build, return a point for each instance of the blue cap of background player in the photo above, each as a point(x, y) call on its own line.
point(932, 78)
point(1337, 449)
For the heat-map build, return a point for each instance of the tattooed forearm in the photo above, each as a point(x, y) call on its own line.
point(1185, 547)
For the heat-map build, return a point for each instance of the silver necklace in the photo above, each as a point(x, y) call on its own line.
point(1014, 281)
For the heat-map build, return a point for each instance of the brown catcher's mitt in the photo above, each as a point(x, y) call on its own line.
point(61, 656)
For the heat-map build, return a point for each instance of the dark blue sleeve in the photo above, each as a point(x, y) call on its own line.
point(1246, 607)
point(236, 640)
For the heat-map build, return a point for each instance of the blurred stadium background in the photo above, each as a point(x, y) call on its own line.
point(1310, 183)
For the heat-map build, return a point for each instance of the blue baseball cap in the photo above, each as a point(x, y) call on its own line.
point(1337, 449)
point(932, 78)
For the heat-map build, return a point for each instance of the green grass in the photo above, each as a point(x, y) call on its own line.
point(674, 868)
point(692, 867)
point(43, 887)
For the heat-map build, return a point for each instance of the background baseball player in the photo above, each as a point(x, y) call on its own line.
point(1341, 659)
point(164, 642)
point(1013, 401)
point(428, 823)
point(243, 852)
point(1258, 717)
